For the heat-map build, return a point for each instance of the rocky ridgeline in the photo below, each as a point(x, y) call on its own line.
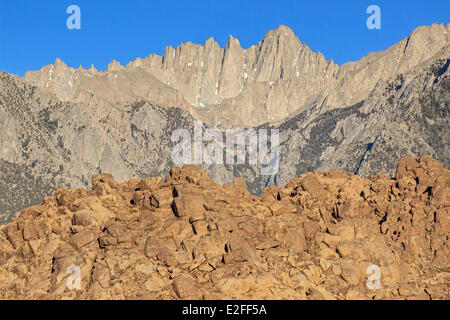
point(59, 125)
point(189, 238)
point(232, 86)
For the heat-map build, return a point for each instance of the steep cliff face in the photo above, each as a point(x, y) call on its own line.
point(244, 87)
point(407, 115)
point(60, 125)
point(331, 235)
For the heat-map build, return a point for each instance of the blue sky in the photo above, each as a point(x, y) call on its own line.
point(34, 33)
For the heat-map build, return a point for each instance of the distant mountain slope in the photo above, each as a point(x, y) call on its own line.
point(46, 144)
point(407, 116)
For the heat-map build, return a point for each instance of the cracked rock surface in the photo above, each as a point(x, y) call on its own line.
point(325, 235)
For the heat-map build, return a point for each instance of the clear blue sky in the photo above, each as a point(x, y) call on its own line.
point(33, 33)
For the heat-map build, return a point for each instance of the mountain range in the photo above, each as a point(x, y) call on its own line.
point(60, 125)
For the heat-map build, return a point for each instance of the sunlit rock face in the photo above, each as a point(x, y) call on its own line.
point(325, 235)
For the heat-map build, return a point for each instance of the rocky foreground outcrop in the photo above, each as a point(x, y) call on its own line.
point(331, 235)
